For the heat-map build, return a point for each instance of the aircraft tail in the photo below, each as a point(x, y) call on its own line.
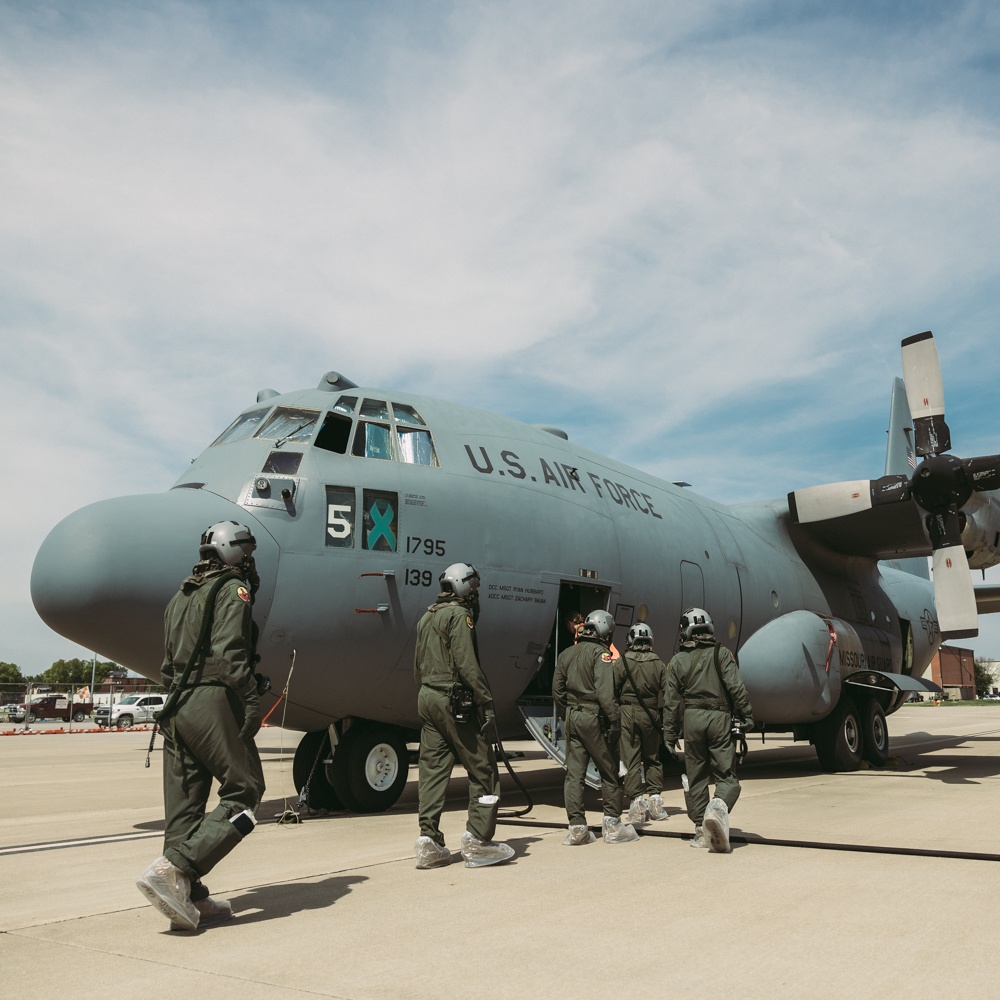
point(901, 460)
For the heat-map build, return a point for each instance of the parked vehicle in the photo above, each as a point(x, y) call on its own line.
point(56, 706)
point(130, 711)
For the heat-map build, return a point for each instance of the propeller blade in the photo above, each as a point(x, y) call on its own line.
point(817, 503)
point(954, 595)
point(983, 473)
point(925, 394)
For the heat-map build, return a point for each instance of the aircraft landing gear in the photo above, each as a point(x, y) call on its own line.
point(875, 734)
point(309, 767)
point(849, 734)
point(838, 738)
point(366, 773)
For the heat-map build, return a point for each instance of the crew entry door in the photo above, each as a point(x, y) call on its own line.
point(536, 705)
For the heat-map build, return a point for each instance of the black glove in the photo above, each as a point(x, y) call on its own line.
point(252, 718)
point(489, 724)
point(670, 746)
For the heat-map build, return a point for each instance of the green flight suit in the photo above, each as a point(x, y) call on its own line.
point(447, 654)
point(696, 708)
point(641, 736)
point(202, 737)
point(583, 686)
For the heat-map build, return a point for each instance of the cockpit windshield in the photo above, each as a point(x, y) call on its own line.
point(289, 423)
point(242, 427)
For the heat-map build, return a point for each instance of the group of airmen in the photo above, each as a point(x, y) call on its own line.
point(614, 707)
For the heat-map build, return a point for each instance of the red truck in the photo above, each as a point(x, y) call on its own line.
point(56, 706)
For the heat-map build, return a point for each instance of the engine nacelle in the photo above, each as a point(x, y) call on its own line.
point(794, 666)
point(981, 534)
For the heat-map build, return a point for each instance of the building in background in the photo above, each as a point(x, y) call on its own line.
point(953, 669)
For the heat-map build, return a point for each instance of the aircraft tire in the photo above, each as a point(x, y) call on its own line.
point(875, 734)
point(338, 770)
point(838, 737)
point(321, 793)
point(377, 767)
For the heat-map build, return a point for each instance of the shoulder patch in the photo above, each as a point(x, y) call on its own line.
point(606, 658)
point(243, 594)
point(469, 621)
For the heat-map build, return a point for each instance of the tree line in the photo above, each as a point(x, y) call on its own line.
point(74, 673)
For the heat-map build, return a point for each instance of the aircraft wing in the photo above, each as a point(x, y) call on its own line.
point(987, 598)
point(893, 531)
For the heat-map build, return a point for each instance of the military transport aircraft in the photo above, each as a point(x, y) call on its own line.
point(359, 498)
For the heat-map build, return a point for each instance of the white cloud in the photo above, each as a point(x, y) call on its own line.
point(698, 212)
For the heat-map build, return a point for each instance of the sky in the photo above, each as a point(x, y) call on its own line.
point(691, 235)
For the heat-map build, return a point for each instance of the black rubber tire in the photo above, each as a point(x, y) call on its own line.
point(79, 716)
point(124, 722)
point(874, 734)
point(838, 737)
point(377, 767)
point(338, 771)
point(321, 794)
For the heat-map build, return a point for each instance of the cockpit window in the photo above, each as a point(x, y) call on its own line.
point(372, 440)
point(416, 447)
point(289, 423)
point(389, 431)
point(242, 427)
point(375, 409)
point(407, 415)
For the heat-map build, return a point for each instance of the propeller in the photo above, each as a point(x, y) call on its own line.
point(940, 485)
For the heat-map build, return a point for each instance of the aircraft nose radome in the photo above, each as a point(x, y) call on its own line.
point(104, 574)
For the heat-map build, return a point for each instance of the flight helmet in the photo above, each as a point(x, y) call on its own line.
point(600, 623)
point(231, 541)
point(694, 621)
point(461, 579)
point(640, 633)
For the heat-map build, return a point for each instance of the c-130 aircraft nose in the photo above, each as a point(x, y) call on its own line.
point(104, 575)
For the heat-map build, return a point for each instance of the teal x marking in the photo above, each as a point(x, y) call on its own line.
point(382, 526)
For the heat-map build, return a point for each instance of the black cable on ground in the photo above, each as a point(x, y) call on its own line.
point(814, 845)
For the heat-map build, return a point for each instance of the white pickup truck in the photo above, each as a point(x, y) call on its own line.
point(132, 710)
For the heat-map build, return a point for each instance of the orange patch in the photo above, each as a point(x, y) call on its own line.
point(243, 594)
point(469, 622)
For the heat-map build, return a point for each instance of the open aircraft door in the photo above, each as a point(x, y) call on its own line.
point(536, 705)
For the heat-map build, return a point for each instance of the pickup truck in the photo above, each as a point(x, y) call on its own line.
point(131, 710)
point(56, 706)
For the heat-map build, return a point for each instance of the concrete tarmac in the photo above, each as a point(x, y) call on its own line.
point(869, 884)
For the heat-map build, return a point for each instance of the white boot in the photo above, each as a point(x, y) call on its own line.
point(169, 890)
point(716, 825)
point(638, 810)
point(212, 911)
point(657, 810)
point(699, 839)
point(617, 832)
point(579, 835)
point(430, 854)
point(480, 853)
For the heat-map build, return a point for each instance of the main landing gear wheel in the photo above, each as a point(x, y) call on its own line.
point(838, 737)
point(376, 767)
point(875, 734)
point(368, 772)
point(312, 751)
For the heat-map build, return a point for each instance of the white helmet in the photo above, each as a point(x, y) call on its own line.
point(461, 579)
point(640, 633)
point(599, 622)
point(696, 620)
point(231, 541)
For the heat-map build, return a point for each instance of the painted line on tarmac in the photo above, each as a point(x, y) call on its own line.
point(812, 845)
point(58, 845)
